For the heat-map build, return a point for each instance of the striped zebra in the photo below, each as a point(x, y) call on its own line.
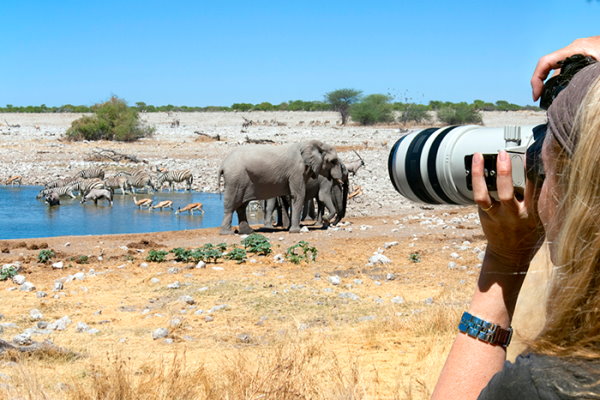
point(140, 181)
point(176, 176)
point(83, 186)
point(117, 182)
point(60, 182)
point(89, 173)
point(61, 191)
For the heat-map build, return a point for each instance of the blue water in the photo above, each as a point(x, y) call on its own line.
point(24, 216)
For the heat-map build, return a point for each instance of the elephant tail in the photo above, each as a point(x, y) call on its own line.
point(220, 173)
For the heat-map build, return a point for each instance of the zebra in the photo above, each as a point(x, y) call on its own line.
point(85, 185)
point(140, 181)
point(60, 182)
point(61, 191)
point(117, 182)
point(93, 172)
point(176, 176)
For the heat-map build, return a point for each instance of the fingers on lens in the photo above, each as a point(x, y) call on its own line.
point(504, 183)
point(480, 193)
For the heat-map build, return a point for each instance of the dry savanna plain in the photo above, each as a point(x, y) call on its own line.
point(110, 324)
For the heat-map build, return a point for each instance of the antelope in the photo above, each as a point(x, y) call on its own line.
point(14, 180)
point(142, 202)
point(163, 204)
point(191, 207)
point(353, 166)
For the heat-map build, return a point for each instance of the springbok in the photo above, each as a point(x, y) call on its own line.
point(142, 202)
point(191, 207)
point(353, 166)
point(163, 204)
point(14, 180)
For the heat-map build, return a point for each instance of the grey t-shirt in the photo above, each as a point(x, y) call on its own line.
point(535, 376)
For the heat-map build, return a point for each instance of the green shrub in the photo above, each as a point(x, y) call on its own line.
point(258, 244)
point(236, 254)
point(301, 251)
point(209, 252)
point(373, 109)
point(415, 257)
point(183, 255)
point(7, 273)
point(157, 256)
point(415, 113)
point(44, 256)
point(82, 259)
point(113, 120)
point(459, 114)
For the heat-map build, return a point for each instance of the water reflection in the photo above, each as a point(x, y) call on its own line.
point(23, 216)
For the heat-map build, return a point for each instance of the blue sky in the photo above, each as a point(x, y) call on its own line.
point(201, 53)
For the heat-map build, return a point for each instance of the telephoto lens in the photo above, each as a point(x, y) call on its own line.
point(434, 165)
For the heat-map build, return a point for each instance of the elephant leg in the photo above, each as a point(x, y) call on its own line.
point(325, 199)
point(244, 227)
point(228, 208)
point(284, 208)
point(269, 208)
point(297, 190)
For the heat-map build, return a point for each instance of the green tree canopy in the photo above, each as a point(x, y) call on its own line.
point(341, 100)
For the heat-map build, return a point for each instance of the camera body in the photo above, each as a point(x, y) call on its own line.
point(434, 165)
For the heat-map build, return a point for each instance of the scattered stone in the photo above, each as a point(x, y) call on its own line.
point(81, 327)
point(174, 285)
point(387, 245)
point(175, 323)
point(168, 341)
point(58, 265)
point(428, 300)
point(187, 299)
point(218, 308)
point(358, 281)
point(173, 270)
point(451, 265)
point(58, 286)
point(378, 258)
point(27, 287)
point(243, 338)
point(366, 318)
point(304, 229)
point(218, 268)
point(349, 295)
point(278, 258)
point(93, 331)
point(208, 318)
point(23, 339)
point(19, 279)
point(454, 255)
point(154, 280)
point(335, 280)
point(203, 289)
point(41, 325)
point(390, 277)
point(79, 276)
point(201, 264)
point(35, 315)
point(398, 300)
point(60, 324)
point(41, 294)
point(144, 265)
point(199, 312)
point(160, 333)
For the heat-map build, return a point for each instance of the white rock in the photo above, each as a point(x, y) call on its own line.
point(35, 315)
point(58, 265)
point(378, 258)
point(201, 264)
point(335, 280)
point(19, 279)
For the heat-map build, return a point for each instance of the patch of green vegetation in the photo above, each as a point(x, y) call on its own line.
point(236, 254)
point(81, 259)
point(301, 251)
point(182, 255)
point(44, 256)
point(7, 273)
point(415, 257)
point(258, 244)
point(157, 255)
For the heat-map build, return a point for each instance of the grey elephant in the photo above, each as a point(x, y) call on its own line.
point(260, 172)
point(328, 192)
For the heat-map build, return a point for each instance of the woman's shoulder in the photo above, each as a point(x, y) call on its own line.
point(535, 376)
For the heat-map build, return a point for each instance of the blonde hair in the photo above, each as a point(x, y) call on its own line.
point(573, 311)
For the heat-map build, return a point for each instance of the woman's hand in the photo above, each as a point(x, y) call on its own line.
point(586, 46)
point(511, 226)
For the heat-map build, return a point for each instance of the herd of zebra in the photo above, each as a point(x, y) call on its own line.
point(92, 184)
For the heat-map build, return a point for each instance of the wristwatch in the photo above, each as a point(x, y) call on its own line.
point(484, 331)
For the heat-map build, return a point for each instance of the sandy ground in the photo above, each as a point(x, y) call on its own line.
point(394, 322)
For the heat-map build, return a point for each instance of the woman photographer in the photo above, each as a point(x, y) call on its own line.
point(563, 362)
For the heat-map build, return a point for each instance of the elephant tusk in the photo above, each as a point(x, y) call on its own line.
point(341, 182)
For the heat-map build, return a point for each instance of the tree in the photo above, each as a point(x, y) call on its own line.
point(341, 100)
point(373, 109)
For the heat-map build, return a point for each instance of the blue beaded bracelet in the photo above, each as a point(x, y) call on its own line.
point(484, 331)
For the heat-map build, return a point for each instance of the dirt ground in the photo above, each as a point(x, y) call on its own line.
point(263, 302)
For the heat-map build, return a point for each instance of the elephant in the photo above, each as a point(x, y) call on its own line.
point(329, 193)
point(260, 172)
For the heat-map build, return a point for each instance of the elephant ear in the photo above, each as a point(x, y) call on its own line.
point(312, 154)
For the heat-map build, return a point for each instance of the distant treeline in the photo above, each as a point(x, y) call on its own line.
point(295, 105)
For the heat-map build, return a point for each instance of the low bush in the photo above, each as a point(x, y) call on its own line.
point(113, 120)
point(258, 244)
point(236, 254)
point(373, 109)
point(301, 251)
point(157, 256)
point(183, 255)
point(7, 273)
point(44, 256)
point(459, 114)
point(417, 113)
